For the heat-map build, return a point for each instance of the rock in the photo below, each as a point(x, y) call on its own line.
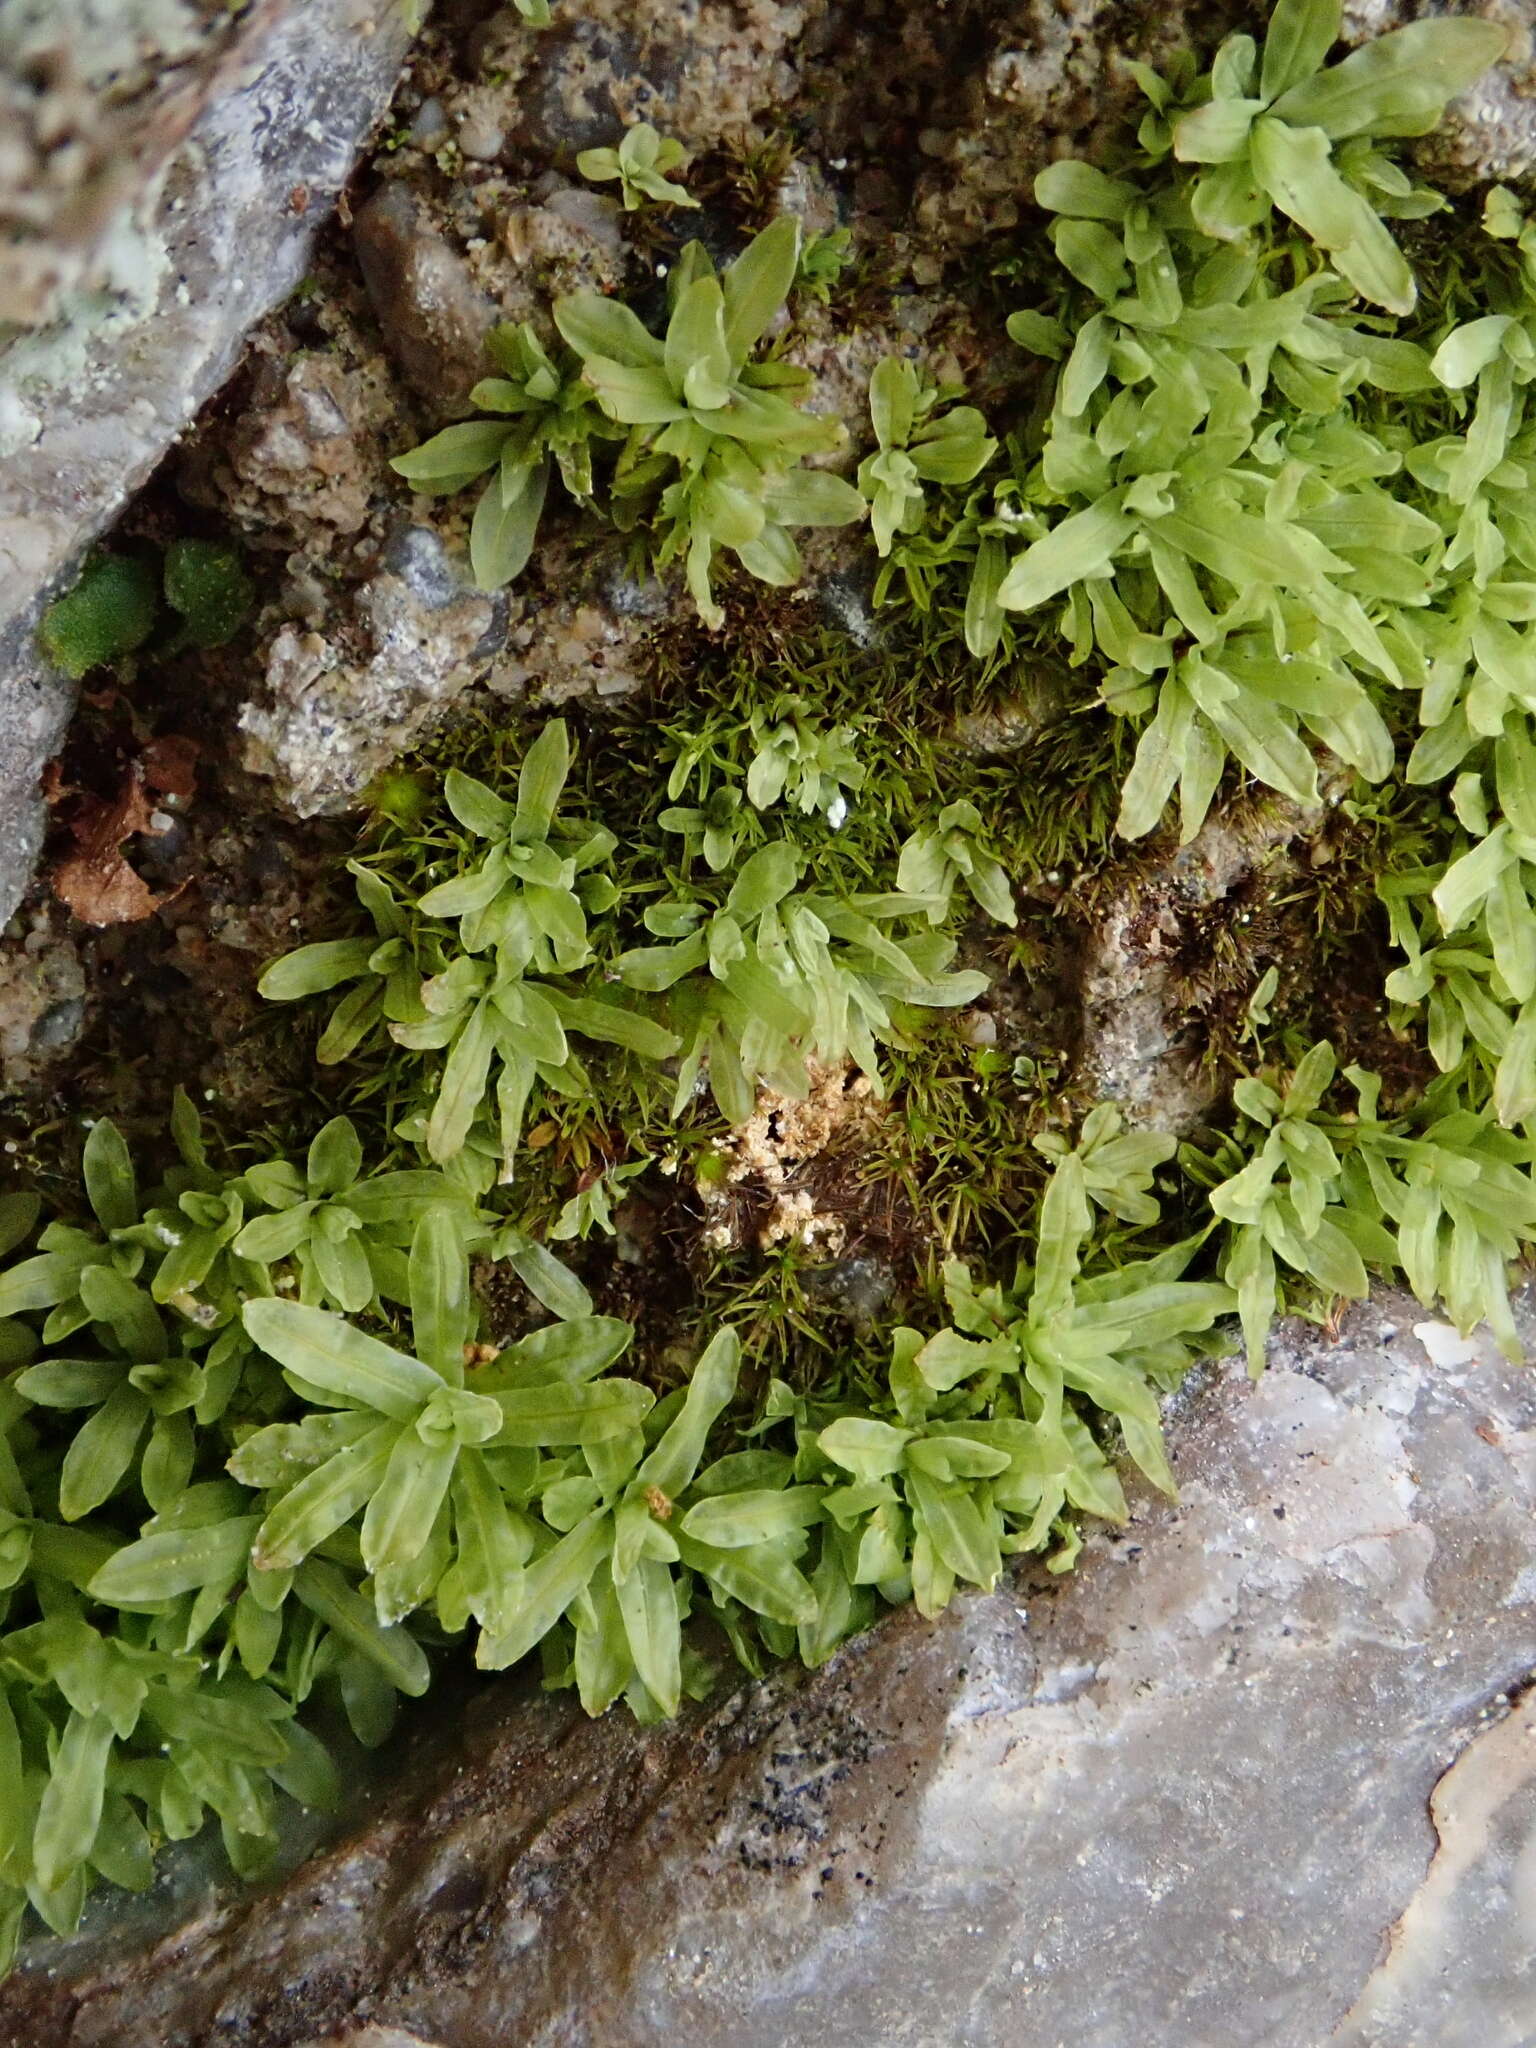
point(582, 633)
point(572, 241)
point(433, 315)
point(90, 404)
point(429, 130)
point(1149, 936)
point(1203, 1776)
point(703, 72)
point(35, 707)
point(480, 135)
point(332, 717)
point(42, 996)
point(303, 458)
point(1484, 1813)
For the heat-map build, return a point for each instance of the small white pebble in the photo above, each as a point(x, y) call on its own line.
point(1445, 1345)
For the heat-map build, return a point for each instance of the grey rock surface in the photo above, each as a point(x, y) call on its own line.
point(1260, 1771)
point(1144, 1042)
point(94, 99)
point(1463, 1943)
point(90, 403)
point(327, 724)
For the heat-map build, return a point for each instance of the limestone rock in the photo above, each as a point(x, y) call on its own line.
point(94, 100)
point(1187, 1795)
point(303, 459)
point(285, 91)
point(334, 714)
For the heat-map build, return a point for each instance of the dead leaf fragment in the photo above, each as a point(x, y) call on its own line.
point(95, 882)
point(103, 892)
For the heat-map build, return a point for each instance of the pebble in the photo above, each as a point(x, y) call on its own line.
point(481, 138)
point(429, 130)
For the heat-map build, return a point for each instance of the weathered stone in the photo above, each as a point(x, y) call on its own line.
point(433, 316)
point(1179, 1798)
point(1142, 1042)
point(581, 635)
point(89, 405)
point(703, 72)
point(303, 458)
point(93, 102)
point(331, 717)
point(42, 995)
point(571, 241)
point(1474, 1904)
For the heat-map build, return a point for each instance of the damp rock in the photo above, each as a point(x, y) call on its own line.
point(340, 705)
point(433, 315)
point(303, 458)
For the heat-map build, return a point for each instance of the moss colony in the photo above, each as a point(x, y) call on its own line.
point(702, 1252)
